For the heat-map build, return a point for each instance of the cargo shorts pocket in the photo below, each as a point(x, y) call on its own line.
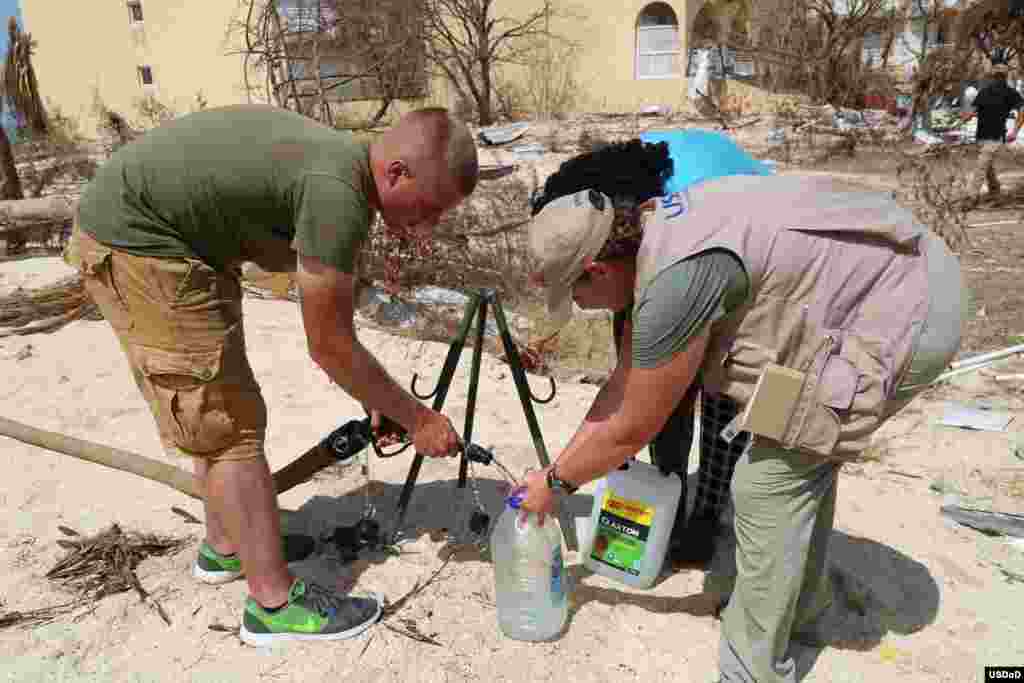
point(96, 264)
point(192, 398)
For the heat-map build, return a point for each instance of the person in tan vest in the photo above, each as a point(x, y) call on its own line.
point(820, 309)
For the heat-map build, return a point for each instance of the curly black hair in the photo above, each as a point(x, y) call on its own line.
point(629, 172)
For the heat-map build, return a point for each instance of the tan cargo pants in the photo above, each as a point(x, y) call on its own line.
point(985, 170)
point(179, 322)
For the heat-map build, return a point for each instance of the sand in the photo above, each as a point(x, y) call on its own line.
point(936, 604)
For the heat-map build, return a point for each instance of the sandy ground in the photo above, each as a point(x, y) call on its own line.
point(923, 599)
point(920, 598)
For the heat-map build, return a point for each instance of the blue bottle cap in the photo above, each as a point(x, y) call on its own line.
point(514, 500)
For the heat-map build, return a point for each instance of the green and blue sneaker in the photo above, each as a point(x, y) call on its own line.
point(311, 613)
point(213, 568)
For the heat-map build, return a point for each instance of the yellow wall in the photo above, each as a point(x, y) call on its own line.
point(89, 44)
point(605, 31)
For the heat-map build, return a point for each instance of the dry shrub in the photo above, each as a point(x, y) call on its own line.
point(115, 130)
point(46, 309)
point(59, 155)
point(935, 184)
point(104, 564)
point(584, 344)
point(482, 243)
point(97, 566)
point(151, 112)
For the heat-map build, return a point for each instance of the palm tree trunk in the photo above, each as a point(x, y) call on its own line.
point(10, 186)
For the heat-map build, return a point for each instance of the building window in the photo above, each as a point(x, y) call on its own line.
point(657, 42)
point(135, 12)
point(146, 75)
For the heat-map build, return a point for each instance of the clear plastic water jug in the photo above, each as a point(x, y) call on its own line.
point(631, 524)
point(530, 585)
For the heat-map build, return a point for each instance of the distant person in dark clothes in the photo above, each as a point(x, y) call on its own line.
point(993, 105)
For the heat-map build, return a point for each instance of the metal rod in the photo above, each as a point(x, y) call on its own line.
point(522, 384)
point(964, 370)
point(440, 393)
point(474, 383)
point(987, 357)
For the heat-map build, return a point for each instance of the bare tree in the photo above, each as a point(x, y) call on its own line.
point(995, 28)
point(466, 41)
point(816, 46)
point(313, 54)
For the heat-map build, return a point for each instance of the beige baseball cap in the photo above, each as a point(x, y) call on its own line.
point(564, 236)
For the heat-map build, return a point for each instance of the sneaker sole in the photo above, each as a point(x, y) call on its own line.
point(217, 578)
point(213, 578)
point(268, 639)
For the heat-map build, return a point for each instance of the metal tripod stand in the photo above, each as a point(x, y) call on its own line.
point(477, 307)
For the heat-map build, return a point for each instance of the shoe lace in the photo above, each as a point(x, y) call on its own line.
point(323, 600)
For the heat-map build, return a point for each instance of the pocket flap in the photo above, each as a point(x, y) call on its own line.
point(202, 365)
point(838, 383)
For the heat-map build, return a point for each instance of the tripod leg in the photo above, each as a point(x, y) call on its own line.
point(440, 393)
point(474, 382)
point(526, 398)
point(522, 386)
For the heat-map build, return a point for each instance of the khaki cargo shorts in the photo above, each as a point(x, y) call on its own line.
point(179, 322)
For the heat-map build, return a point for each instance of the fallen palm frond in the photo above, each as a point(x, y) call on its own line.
point(105, 564)
point(46, 309)
point(37, 617)
point(95, 567)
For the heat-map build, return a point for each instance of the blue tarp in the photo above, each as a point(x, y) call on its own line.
point(701, 155)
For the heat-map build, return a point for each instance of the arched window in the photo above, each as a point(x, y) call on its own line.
point(657, 42)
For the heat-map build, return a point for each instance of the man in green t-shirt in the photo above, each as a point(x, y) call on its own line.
point(161, 234)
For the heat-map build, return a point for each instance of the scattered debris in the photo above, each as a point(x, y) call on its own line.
point(655, 110)
point(533, 150)
point(496, 171)
point(186, 515)
point(46, 309)
point(411, 629)
point(988, 522)
point(905, 474)
point(105, 564)
point(944, 487)
point(36, 617)
point(501, 135)
point(1011, 576)
point(972, 418)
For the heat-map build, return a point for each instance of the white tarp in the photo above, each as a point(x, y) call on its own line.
point(699, 83)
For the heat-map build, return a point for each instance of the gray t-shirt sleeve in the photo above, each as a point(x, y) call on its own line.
point(681, 300)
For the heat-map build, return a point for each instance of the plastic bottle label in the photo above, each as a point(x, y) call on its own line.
point(623, 527)
point(557, 589)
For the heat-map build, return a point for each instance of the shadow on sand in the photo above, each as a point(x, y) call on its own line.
point(878, 590)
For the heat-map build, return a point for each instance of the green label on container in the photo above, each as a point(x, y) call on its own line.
point(622, 530)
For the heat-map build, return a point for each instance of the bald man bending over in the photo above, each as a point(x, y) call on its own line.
point(161, 234)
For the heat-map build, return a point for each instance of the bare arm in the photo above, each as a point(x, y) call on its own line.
point(609, 398)
point(634, 409)
point(328, 307)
